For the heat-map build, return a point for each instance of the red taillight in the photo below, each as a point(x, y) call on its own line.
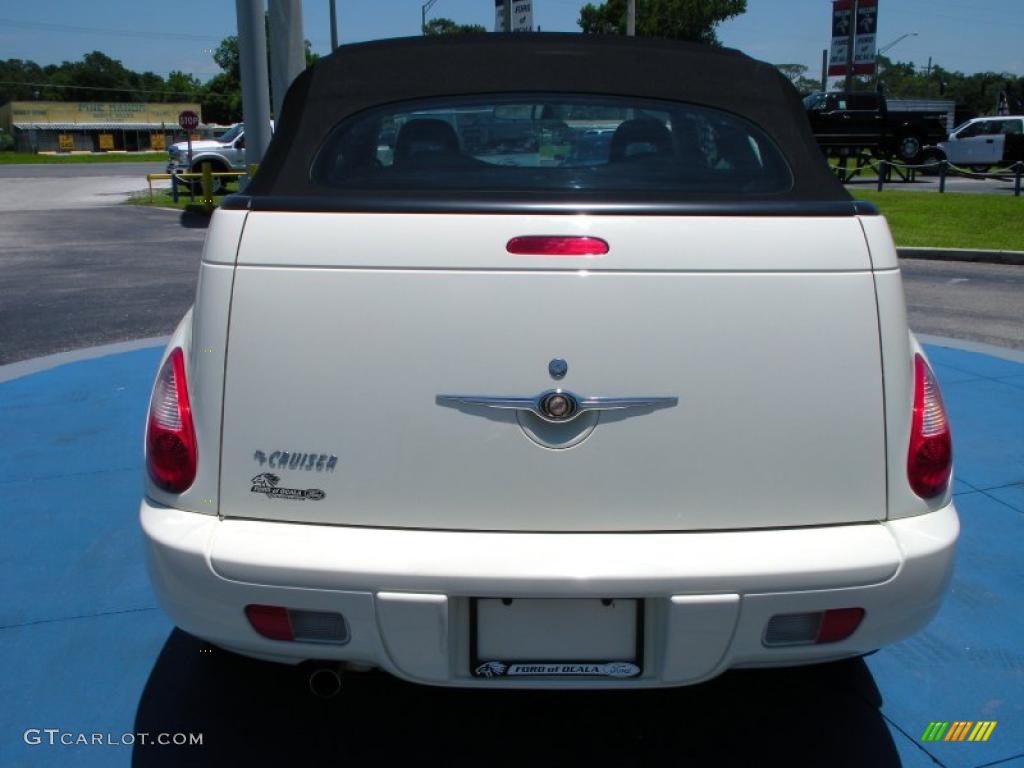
point(838, 624)
point(557, 245)
point(270, 621)
point(170, 438)
point(930, 459)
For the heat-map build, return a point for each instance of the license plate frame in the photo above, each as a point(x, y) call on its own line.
point(575, 668)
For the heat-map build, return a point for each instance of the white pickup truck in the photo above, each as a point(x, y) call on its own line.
point(983, 142)
point(529, 413)
point(226, 153)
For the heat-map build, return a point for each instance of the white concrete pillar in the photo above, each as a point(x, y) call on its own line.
point(287, 48)
point(252, 50)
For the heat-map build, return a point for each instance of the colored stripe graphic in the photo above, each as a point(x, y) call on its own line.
point(935, 731)
point(958, 730)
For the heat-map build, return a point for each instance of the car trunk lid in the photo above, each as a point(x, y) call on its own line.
point(347, 332)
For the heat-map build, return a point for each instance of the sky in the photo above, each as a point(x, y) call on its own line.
point(964, 35)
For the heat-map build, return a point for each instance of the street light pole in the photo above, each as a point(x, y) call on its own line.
point(888, 47)
point(334, 26)
point(852, 43)
point(424, 9)
point(631, 18)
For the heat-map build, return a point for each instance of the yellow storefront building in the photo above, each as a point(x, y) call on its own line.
point(92, 126)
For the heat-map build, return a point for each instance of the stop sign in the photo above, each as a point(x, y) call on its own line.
point(188, 120)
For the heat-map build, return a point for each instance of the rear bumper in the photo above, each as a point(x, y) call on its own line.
point(405, 594)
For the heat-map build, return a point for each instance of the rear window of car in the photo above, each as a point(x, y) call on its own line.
point(551, 142)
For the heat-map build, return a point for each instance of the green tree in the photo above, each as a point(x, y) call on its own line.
point(223, 94)
point(975, 93)
point(797, 74)
point(181, 85)
point(443, 26)
point(103, 78)
point(677, 19)
point(222, 99)
point(18, 78)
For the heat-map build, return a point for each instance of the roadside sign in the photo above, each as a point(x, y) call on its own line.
point(65, 142)
point(156, 141)
point(862, 29)
point(522, 15)
point(106, 141)
point(188, 120)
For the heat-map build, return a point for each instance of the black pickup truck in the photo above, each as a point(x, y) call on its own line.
point(851, 123)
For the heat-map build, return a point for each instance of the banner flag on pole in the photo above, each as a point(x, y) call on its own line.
point(865, 43)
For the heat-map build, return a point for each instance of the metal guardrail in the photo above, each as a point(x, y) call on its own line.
point(206, 178)
point(885, 168)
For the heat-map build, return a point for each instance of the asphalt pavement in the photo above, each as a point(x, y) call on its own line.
point(50, 187)
point(79, 170)
point(78, 278)
point(975, 302)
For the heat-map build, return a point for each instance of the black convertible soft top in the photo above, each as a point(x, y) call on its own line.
point(361, 76)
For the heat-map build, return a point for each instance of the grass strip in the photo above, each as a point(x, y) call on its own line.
point(29, 158)
point(951, 220)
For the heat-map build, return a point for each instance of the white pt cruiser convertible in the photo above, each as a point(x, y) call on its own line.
point(547, 361)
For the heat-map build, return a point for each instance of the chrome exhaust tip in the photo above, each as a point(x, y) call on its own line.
point(325, 682)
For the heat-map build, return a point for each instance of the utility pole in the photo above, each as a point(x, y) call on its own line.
point(824, 70)
point(631, 18)
point(334, 26)
point(853, 42)
point(508, 15)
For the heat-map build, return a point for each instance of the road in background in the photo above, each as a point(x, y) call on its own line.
point(77, 170)
point(977, 302)
point(81, 185)
point(78, 278)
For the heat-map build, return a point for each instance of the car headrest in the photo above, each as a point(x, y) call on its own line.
point(642, 136)
point(424, 137)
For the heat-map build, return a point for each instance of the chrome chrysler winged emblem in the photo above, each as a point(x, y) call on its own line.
point(556, 406)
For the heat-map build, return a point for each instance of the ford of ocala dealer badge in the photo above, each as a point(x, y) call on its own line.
point(266, 483)
point(556, 669)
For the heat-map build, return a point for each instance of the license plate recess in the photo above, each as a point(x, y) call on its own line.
point(556, 637)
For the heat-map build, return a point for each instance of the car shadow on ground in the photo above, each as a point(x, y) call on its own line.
point(255, 713)
point(197, 219)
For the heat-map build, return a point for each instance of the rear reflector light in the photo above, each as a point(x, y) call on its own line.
point(838, 624)
point(557, 245)
point(270, 621)
point(930, 458)
point(812, 628)
point(279, 623)
point(170, 439)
